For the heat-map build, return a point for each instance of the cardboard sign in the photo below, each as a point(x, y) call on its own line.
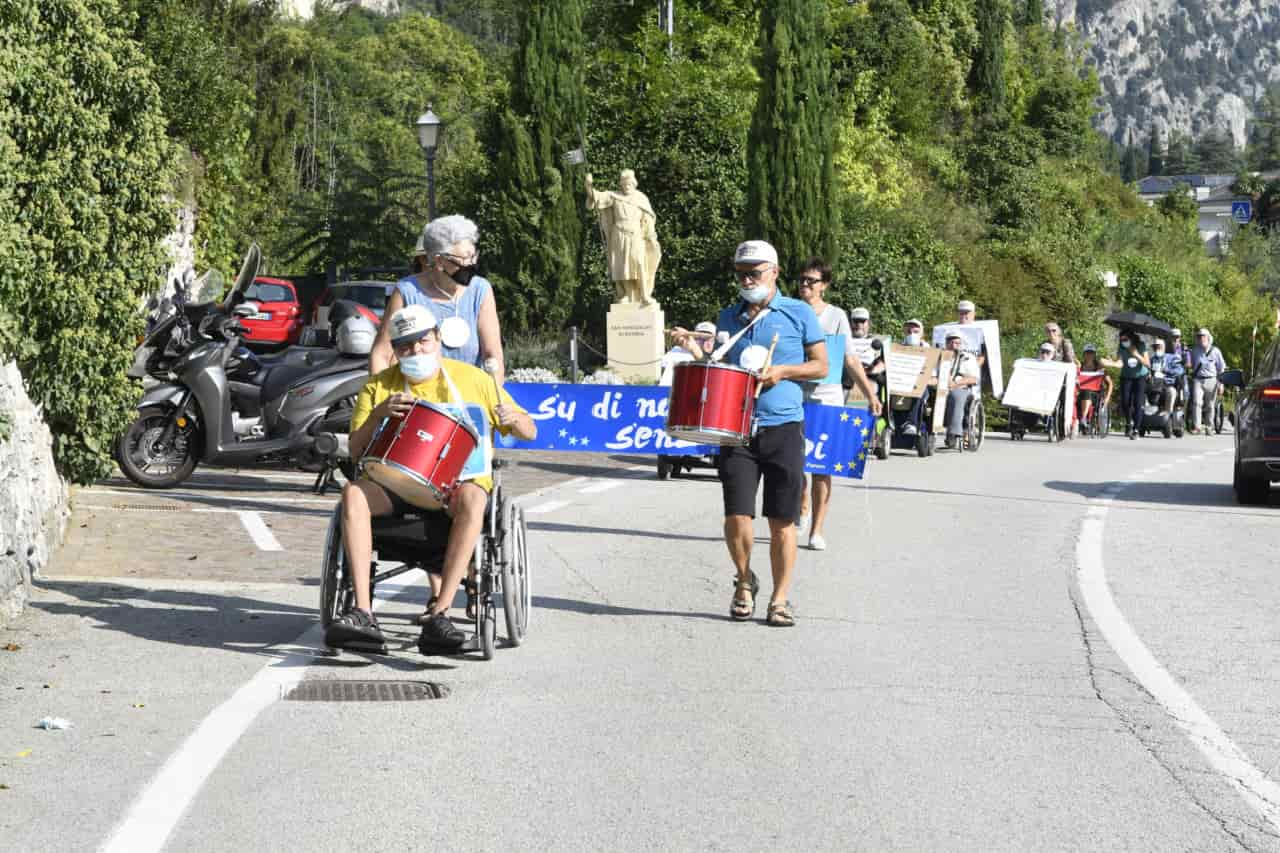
point(909, 369)
point(1036, 385)
point(945, 366)
point(864, 351)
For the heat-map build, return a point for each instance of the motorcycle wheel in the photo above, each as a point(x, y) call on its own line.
point(155, 467)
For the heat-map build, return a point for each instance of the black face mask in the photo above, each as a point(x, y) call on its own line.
point(463, 275)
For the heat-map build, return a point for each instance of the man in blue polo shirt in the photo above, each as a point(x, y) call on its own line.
point(776, 451)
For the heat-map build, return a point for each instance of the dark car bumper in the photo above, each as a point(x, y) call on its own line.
point(1259, 459)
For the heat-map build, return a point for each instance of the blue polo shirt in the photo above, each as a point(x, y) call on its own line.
point(797, 327)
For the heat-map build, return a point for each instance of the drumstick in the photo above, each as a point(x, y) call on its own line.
point(491, 368)
point(768, 359)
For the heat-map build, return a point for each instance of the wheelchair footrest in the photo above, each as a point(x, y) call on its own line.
point(367, 648)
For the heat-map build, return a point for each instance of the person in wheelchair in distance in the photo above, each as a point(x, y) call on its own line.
point(419, 373)
point(1165, 391)
point(908, 415)
point(966, 374)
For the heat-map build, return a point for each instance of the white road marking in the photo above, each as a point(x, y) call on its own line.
point(549, 506)
point(1261, 793)
point(154, 814)
point(602, 486)
point(258, 531)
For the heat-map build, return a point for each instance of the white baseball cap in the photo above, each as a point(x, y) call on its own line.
point(705, 326)
point(1044, 347)
point(1177, 333)
point(1204, 332)
point(965, 305)
point(755, 252)
point(860, 314)
point(914, 323)
point(410, 324)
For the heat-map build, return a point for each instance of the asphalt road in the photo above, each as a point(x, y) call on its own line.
point(968, 672)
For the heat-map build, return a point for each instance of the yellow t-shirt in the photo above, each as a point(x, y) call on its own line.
point(473, 384)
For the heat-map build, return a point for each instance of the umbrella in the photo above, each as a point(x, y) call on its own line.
point(1142, 323)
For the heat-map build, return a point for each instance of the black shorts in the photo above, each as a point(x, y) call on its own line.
point(777, 454)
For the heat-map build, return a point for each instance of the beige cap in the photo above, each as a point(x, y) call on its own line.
point(965, 305)
point(755, 252)
point(410, 324)
point(860, 314)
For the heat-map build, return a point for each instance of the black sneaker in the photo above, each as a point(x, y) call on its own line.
point(355, 627)
point(440, 636)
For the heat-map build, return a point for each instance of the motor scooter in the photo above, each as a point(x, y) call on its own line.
point(214, 402)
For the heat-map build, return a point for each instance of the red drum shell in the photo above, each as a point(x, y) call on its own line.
point(420, 456)
point(711, 403)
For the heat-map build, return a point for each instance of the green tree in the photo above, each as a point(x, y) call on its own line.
point(1180, 156)
point(1265, 153)
point(1033, 13)
point(1217, 153)
point(1062, 109)
point(790, 151)
point(1155, 153)
point(986, 78)
point(534, 207)
point(82, 211)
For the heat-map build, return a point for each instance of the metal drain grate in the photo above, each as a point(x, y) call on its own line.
point(331, 690)
point(148, 507)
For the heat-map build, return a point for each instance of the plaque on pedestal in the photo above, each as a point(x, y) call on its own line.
point(635, 340)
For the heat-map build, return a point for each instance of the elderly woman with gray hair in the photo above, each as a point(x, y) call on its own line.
point(447, 284)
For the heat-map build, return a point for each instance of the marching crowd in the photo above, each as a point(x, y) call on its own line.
point(442, 343)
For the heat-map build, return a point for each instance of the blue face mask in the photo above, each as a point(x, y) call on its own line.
point(419, 367)
point(754, 295)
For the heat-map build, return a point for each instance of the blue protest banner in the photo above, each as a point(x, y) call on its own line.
point(631, 419)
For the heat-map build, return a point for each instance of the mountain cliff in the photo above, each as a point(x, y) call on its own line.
point(1178, 65)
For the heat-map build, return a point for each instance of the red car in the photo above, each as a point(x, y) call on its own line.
point(279, 320)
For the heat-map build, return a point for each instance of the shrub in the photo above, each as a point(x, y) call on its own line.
point(82, 210)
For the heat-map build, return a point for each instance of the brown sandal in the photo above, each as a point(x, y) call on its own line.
point(426, 614)
point(780, 615)
point(741, 609)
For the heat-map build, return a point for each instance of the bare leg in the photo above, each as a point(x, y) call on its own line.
point(466, 507)
point(361, 501)
point(821, 497)
point(804, 496)
point(782, 556)
point(739, 536)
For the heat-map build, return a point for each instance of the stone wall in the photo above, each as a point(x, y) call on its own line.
point(33, 498)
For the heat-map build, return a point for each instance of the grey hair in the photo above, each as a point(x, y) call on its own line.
point(440, 234)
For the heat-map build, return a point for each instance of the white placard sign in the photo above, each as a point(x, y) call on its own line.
point(862, 349)
point(976, 334)
point(1035, 385)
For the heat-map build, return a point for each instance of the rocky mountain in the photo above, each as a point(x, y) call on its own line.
point(1185, 65)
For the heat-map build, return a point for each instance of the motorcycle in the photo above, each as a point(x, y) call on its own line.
point(213, 401)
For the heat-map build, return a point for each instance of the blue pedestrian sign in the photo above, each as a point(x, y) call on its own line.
point(1241, 212)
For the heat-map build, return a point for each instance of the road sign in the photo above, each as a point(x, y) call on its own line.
point(1242, 211)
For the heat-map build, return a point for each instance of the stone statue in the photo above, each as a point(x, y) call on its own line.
point(627, 221)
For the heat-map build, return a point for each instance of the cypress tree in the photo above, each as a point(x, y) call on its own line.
point(1266, 131)
point(790, 156)
point(535, 217)
point(1155, 153)
point(986, 77)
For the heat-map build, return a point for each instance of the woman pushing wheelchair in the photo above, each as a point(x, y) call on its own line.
point(419, 374)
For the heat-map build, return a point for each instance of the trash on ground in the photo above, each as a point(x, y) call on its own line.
point(53, 723)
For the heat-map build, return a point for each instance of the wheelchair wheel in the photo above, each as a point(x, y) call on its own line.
point(487, 628)
point(1219, 417)
point(335, 585)
point(882, 447)
point(664, 468)
point(977, 427)
point(517, 594)
point(1102, 425)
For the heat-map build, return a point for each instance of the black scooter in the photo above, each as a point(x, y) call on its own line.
point(215, 402)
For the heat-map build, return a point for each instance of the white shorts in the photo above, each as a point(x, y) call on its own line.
point(826, 394)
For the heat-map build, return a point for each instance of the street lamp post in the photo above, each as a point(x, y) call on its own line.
point(428, 125)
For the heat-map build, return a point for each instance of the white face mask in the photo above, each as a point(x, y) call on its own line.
point(912, 339)
point(754, 295)
point(419, 367)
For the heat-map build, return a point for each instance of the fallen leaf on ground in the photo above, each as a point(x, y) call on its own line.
point(192, 557)
point(24, 753)
point(12, 647)
point(3, 787)
point(139, 704)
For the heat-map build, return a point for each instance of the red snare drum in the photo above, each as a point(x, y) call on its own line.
point(420, 456)
point(711, 403)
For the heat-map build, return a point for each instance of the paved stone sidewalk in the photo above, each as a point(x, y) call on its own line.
point(201, 529)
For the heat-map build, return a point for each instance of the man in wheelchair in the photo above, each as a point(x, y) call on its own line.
point(420, 373)
point(966, 373)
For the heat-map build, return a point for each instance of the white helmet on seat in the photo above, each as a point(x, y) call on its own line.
point(355, 336)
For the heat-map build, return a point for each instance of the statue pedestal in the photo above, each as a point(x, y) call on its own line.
point(635, 339)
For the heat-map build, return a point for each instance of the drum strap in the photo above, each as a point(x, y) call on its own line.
point(728, 345)
point(454, 397)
